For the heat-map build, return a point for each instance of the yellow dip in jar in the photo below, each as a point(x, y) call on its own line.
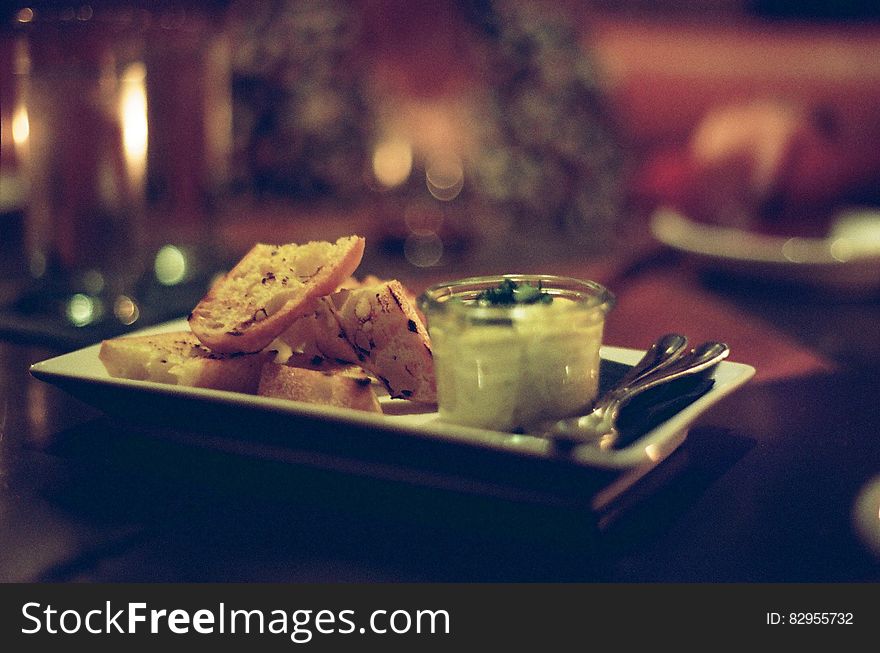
point(512, 351)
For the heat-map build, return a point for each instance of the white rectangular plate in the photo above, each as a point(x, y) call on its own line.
point(402, 443)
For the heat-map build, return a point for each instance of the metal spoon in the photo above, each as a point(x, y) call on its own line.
point(600, 424)
point(664, 351)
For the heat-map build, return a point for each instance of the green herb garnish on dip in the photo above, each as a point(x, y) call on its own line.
point(510, 292)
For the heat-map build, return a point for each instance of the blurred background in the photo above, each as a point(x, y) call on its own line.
point(147, 145)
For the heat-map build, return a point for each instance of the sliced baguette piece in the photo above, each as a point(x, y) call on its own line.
point(389, 338)
point(339, 386)
point(179, 358)
point(318, 336)
point(353, 283)
point(376, 327)
point(269, 288)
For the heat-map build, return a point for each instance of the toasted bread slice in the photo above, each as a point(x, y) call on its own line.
point(180, 359)
point(376, 327)
point(389, 338)
point(268, 289)
point(353, 283)
point(318, 337)
point(340, 386)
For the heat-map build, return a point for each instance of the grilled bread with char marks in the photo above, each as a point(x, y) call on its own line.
point(269, 288)
point(376, 327)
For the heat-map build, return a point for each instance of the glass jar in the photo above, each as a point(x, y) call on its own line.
point(509, 367)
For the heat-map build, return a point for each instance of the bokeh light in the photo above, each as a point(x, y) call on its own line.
point(392, 162)
point(423, 217)
point(170, 265)
point(423, 251)
point(444, 175)
point(126, 310)
point(83, 309)
point(93, 282)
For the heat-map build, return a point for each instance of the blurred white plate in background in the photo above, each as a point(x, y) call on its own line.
point(846, 260)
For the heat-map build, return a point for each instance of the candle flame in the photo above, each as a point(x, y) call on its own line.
point(133, 116)
point(21, 126)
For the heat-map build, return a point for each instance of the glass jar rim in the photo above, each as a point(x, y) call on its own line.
point(585, 294)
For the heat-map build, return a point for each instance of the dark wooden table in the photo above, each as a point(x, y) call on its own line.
point(763, 489)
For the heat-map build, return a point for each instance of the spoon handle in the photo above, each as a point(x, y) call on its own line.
point(668, 363)
point(699, 359)
point(665, 350)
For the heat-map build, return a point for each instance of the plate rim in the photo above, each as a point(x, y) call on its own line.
point(674, 229)
point(650, 449)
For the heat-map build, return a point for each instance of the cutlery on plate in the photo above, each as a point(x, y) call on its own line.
point(665, 350)
point(664, 362)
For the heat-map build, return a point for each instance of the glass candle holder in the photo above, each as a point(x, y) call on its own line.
point(85, 150)
point(510, 367)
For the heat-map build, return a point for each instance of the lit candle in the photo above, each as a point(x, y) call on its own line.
point(133, 118)
point(21, 128)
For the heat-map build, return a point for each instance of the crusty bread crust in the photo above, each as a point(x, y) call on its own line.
point(180, 359)
point(342, 387)
point(269, 289)
point(376, 327)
